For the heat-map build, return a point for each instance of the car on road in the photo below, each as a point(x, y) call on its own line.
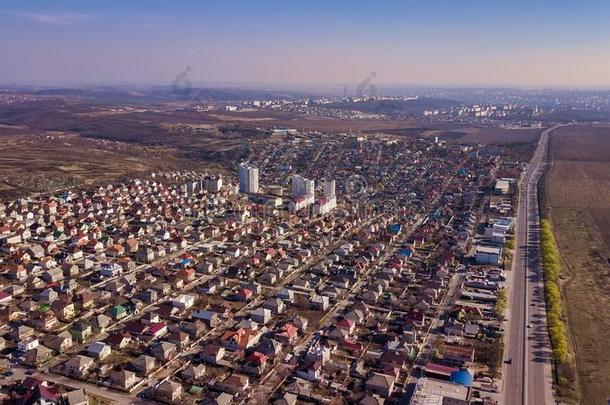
point(508, 361)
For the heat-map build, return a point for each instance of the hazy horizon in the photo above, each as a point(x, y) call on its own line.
point(411, 44)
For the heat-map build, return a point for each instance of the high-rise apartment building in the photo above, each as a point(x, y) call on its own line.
point(248, 178)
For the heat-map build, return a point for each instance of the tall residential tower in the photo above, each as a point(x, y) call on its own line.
point(248, 178)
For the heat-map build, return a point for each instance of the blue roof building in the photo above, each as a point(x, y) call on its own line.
point(405, 252)
point(462, 377)
point(395, 228)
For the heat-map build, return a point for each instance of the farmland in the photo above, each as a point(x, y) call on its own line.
point(516, 144)
point(501, 135)
point(577, 201)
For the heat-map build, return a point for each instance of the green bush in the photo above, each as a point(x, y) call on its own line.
point(552, 267)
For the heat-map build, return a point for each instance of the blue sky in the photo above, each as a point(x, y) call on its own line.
point(455, 43)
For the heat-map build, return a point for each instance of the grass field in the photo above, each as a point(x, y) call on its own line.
point(577, 201)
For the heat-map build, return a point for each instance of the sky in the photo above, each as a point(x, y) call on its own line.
point(469, 43)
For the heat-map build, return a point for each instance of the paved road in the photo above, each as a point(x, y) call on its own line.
point(528, 380)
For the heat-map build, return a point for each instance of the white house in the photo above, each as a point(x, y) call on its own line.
point(320, 302)
point(183, 301)
point(27, 344)
point(261, 315)
point(111, 270)
point(99, 350)
point(286, 295)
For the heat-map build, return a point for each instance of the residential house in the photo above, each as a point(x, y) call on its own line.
point(212, 354)
point(222, 399)
point(86, 299)
point(179, 338)
point(195, 329)
point(157, 330)
point(149, 296)
point(118, 312)
point(234, 384)
point(183, 301)
point(144, 364)
point(124, 379)
point(320, 302)
point(347, 325)
point(99, 350)
point(245, 294)
point(270, 347)
point(45, 321)
point(150, 318)
point(65, 311)
point(21, 332)
point(78, 366)
point(164, 351)
point(288, 399)
point(48, 296)
point(118, 340)
point(239, 339)
point(193, 373)
point(458, 356)
point(168, 391)
point(77, 397)
point(60, 342)
point(101, 322)
point(17, 272)
point(261, 315)
point(9, 313)
point(81, 331)
point(286, 334)
point(255, 363)
point(275, 305)
point(210, 318)
point(381, 384)
point(309, 370)
point(28, 343)
point(37, 356)
point(53, 275)
point(145, 255)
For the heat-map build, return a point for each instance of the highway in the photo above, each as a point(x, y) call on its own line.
point(528, 377)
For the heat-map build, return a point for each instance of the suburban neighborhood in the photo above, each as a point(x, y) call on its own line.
point(366, 268)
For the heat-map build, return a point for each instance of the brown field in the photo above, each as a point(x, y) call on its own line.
point(44, 162)
point(517, 144)
point(501, 135)
point(577, 200)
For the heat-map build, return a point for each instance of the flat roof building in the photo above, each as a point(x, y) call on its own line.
point(436, 392)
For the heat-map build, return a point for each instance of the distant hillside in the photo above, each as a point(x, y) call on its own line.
point(395, 107)
point(156, 94)
point(228, 93)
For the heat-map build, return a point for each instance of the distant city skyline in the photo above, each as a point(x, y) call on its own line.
point(411, 43)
